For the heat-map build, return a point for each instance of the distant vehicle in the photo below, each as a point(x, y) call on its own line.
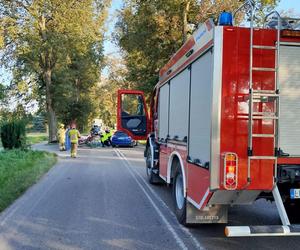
point(95, 130)
point(120, 138)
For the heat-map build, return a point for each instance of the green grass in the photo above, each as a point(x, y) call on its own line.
point(33, 138)
point(19, 170)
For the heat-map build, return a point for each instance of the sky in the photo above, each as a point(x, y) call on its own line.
point(289, 4)
point(109, 46)
point(111, 49)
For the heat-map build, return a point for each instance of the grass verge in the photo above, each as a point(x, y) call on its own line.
point(19, 170)
point(33, 138)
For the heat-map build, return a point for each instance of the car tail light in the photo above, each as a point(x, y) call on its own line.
point(230, 171)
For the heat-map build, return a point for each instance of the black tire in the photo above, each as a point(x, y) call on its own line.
point(113, 145)
point(179, 202)
point(152, 177)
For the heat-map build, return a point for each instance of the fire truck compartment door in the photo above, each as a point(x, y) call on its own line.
point(163, 111)
point(289, 85)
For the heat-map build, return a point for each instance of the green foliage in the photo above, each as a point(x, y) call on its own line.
point(107, 92)
point(38, 124)
point(150, 32)
point(13, 134)
point(55, 48)
point(80, 111)
point(19, 170)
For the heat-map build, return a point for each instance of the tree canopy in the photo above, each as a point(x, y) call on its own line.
point(58, 45)
point(150, 32)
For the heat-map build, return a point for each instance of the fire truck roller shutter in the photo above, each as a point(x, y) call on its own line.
point(179, 105)
point(163, 112)
point(289, 85)
point(200, 111)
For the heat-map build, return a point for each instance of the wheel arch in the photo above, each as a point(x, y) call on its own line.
point(173, 158)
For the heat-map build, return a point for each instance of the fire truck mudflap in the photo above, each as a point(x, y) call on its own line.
point(207, 215)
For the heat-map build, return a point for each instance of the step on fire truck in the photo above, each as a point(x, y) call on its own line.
point(224, 122)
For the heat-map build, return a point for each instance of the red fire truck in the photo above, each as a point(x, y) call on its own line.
point(224, 123)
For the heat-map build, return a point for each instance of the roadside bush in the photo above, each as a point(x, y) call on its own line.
point(13, 134)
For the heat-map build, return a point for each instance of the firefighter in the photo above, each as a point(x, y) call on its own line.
point(74, 136)
point(109, 135)
point(61, 137)
point(103, 138)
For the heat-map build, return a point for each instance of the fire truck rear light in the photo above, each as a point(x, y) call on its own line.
point(230, 171)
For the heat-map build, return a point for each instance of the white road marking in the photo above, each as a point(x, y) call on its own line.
point(168, 225)
point(186, 231)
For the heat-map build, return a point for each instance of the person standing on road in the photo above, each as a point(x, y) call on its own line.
point(61, 137)
point(74, 136)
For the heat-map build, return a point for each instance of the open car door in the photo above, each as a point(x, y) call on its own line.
point(132, 114)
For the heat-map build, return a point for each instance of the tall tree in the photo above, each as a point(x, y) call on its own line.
point(114, 80)
point(43, 36)
point(150, 32)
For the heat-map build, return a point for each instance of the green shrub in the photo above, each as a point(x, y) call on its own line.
point(13, 134)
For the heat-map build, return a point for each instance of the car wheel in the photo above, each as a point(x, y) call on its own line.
point(178, 196)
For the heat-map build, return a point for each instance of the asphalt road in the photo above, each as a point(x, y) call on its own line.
point(101, 200)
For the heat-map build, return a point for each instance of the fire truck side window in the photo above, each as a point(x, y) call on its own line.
point(132, 105)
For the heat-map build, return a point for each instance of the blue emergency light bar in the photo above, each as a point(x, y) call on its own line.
point(225, 19)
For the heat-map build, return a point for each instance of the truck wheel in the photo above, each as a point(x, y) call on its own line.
point(178, 197)
point(150, 175)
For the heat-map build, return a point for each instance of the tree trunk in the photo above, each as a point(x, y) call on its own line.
point(52, 122)
point(186, 9)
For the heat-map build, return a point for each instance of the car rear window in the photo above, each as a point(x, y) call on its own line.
point(120, 134)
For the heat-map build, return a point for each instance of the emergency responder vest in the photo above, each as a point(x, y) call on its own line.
point(74, 135)
point(104, 137)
